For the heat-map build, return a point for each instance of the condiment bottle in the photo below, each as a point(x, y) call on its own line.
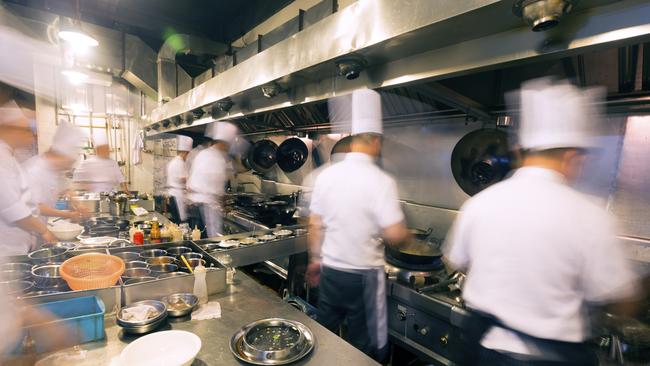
point(138, 238)
point(196, 233)
point(154, 235)
point(200, 285)
point(132, 232)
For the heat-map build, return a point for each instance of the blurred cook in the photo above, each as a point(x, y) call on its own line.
point(206, 184)
point(353, 204)
point(530, 276)
point(45, 172)
point(19, 224)
point(99, 173)
point(177, 172)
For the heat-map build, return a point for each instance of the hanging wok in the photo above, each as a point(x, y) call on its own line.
point(262, 156)
point(480, 159)
point(292, 154)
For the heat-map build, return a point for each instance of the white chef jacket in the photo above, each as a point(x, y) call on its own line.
point(176, 178)
point(101, 175)
point(45, 182)
point(310, 179)
point(535, 250)
point(15, 203)
point(208, 176)
point(356, 200)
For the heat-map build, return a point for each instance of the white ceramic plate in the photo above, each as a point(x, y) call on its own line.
point(166, 348)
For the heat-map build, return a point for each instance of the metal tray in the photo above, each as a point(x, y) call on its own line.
point(237, 343)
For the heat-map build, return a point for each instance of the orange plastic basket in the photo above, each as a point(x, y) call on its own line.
point(92, 270)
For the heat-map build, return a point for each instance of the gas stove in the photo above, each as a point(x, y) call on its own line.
point(425, 310)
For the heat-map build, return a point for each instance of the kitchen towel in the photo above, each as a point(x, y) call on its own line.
point(211, 310)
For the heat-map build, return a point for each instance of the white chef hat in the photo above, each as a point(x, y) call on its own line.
point(222, 131)
point(12, 115)
point(68, 140)
point(366, 112)
point(99, 137)
point(183, 143)
point(556, 114)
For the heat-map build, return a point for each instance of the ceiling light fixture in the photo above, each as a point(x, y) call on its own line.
point(75, 77)
point(75, 35)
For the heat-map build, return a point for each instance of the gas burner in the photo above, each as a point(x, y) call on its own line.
point(413, 278)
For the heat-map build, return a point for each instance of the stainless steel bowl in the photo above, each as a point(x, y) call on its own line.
point(15, 275)
point(180, 304)
point(135, 264)
point(158, 269)
point(47, 276)
point(192, 262)
point(136, 272)
point(210, 247)
point(145, 326)
point(161, 260)
point(127, 256)
point(61, 244)
point(132, 281)
point(177, 251)
point(152, 253)
point(189, 256)
point(173, 274)
point(48, 255)
point(16, 287)
point(16, 266)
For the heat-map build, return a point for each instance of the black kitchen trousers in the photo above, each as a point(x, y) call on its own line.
point(357, 297)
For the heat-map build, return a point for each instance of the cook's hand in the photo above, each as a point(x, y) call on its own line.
point(313, 273)
point(48, 237)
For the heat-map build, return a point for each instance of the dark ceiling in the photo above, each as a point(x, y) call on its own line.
point(152, 20)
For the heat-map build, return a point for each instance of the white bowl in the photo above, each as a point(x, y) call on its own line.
point(66, 231)
point(167, 348)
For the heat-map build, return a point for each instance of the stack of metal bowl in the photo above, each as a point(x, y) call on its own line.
point(47, 277)
point(144, 326)
point(48, 255)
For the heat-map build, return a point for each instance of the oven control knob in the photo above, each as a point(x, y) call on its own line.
point(424, 331)
point(444, 340)
point(401, 314)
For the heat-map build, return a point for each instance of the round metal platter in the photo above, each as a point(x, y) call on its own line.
point(262, 155)
point(237, 343)
point(292, 154)
point(480, 159)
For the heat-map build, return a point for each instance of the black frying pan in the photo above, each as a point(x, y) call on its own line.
point(262, 156)
point(416, 252)
point(292, 154)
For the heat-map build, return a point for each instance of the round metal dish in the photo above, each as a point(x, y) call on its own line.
point(152, 253)
point(17, 266)
point(144, 326)
point(231, 243)
point(177, 251)
point(127, 256)
point(48, 255)
point(282, 233)
point(192, 262)
point(180, 304)
point(47, 276)
point(248, 241)
point(189, 256)
point(158, 269)
point(173, 274)
point(210, 247)
point(15, 275)
point(136, 272)
point(266, 237)
point(257, 343)
point(161, 260)
point(135, 264)
point(132, 281)
point(61, 244)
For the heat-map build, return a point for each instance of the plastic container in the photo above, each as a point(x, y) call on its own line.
point(200, 285)
point(82, 316)
point(92, 270)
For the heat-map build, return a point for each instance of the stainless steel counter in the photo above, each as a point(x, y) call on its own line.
point(241, 304)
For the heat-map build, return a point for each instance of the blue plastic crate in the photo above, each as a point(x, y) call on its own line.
point(82, 316)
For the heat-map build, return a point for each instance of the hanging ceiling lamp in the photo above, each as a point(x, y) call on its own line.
point(75, 35)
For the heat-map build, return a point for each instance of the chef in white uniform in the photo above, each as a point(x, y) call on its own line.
point(206, 184)
point(535, 250)
point(353, 205)
point(20, 226)
point(99, 173)
point(177, 173)
point(45, 172)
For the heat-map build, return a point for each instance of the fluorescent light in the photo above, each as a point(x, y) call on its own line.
point(75, 77)
point(78, 38)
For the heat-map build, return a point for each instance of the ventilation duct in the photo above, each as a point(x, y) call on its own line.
point(542, 14)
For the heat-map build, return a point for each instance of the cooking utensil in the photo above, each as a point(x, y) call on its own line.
point(158, 269)
point(92, 270)
point(127, 256)
point(161, 260)
point(416, 252)
point(48, 255)
point(187, 264)
point(135, 264)
point(193, 256)
point(97, 231)
point(47, 276)
point(66, 231)
point(272, 341)
point(152, 253)
point(248, 241)
point(192, 264)
point(97, 242)
point(143, 326)
point(210, 247)
point(177, 251)
point(61, 244)
point(122, 224)
point(291, 154)
point(136, 273)
point(180, 304)
point(180, 347)
point(263, 155)
point(480, 159)
point(86, 204)
point(173, 274)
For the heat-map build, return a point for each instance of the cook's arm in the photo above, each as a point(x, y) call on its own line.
point(397, 234)
point(34, 225)
point(315, 237)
